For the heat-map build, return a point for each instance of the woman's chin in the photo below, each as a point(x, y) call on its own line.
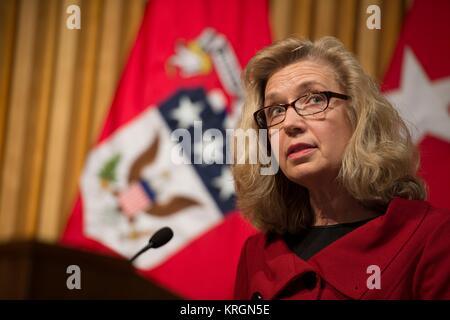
point(302, 175)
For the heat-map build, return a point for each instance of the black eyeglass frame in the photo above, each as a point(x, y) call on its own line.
point(328, 94)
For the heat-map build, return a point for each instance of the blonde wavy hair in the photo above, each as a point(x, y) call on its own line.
point(380, 161)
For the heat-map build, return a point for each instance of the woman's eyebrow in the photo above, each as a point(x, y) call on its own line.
point(308, 86)
point(271, 97)
point(304, 87)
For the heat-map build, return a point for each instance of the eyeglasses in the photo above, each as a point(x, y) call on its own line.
point(306, 105)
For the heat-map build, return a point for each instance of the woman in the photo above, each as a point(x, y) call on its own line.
point(345, 217)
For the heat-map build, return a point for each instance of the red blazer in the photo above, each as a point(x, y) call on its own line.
point(409, 243)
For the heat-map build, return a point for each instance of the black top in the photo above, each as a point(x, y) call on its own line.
point(315, 238)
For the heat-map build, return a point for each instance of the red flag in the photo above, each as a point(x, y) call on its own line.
point(183, 71)
point(418, 83)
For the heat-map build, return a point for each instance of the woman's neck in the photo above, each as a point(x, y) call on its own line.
point(333, 205)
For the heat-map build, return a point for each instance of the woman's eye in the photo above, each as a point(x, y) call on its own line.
point(275, 111)
point(316, 99)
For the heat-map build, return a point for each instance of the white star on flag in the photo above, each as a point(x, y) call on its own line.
point(187, 112)
point(224, 183)
point(422, 103)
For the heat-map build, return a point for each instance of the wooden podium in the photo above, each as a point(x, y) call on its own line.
point(34, 270)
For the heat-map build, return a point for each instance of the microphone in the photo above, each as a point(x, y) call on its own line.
point(159, 238)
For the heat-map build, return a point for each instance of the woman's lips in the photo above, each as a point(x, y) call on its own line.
point(299, 150)
point(301, 153)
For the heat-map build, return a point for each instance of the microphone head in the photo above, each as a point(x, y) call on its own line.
point(161, 237)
